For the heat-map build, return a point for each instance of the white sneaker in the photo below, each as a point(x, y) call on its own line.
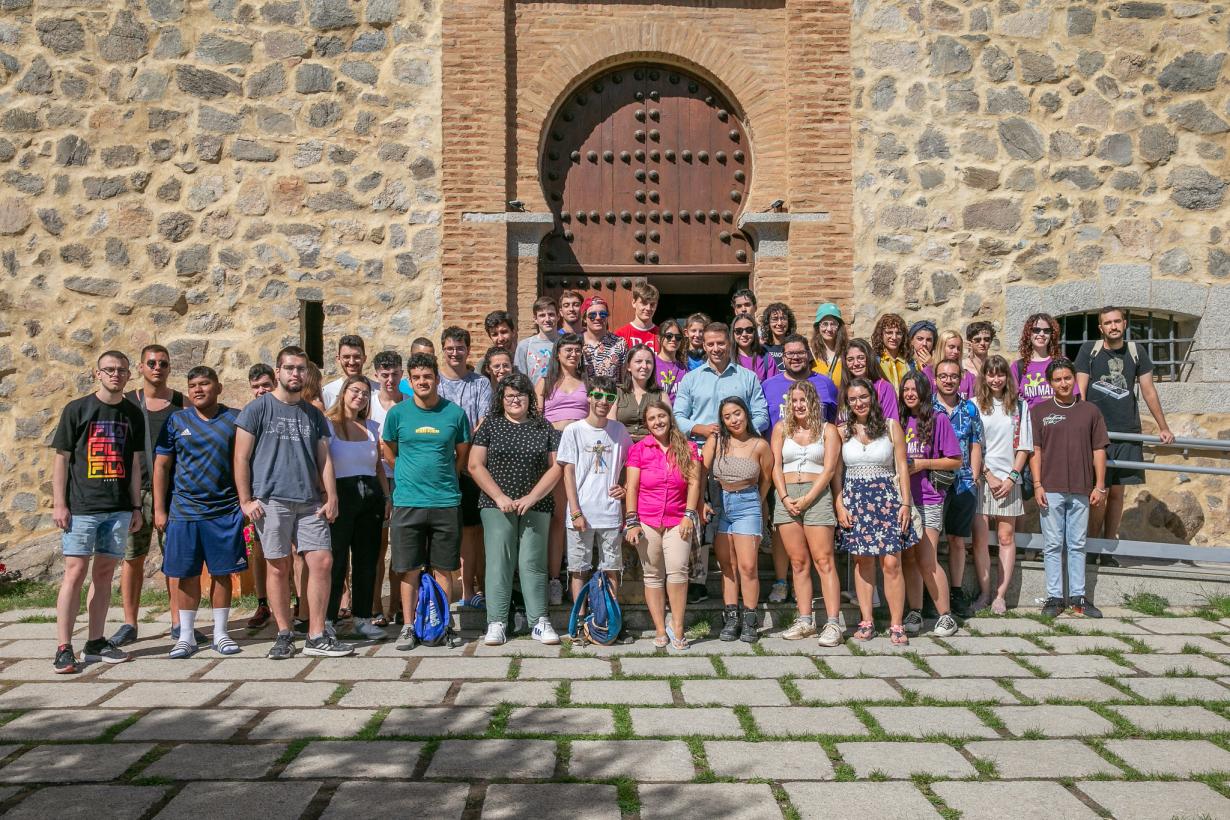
point(555, 592)
point(831, 635)
point(495, 634)
point(545, 633)
point(365, 627)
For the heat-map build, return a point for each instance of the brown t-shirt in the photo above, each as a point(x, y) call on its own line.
point(1067, 437)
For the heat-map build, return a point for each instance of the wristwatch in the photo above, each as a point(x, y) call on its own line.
point(1015, 476)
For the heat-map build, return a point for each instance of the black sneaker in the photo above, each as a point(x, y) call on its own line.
point(327, 646)
point(959, 602)
point(283, 647)
point(751, 626)
point(66, 661)
point(1053, 607)
point(105, 651)
point(300, 626)
point(1084, 606)
point(928, 608)
point(730, 624)
point(407, 640)
point(697, 593)
point(125, 635)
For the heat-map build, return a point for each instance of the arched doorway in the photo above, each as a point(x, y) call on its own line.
point(646, 169)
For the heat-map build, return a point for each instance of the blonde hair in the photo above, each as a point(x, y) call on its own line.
point(943, 340)
point(337, 413)
point(815, 421)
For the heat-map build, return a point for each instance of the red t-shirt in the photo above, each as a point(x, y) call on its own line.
point(635, 336)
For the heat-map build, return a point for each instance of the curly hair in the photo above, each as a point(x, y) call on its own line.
point(924, 412)
point(877, 335)
point(814, 422)
point(876, 426)
point(485, 366)
point(1025, 347)
point(518, 383)
point(791, 323)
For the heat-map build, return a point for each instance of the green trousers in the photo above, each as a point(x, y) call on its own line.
point(515, 542)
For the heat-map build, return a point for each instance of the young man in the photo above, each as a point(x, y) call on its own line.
point(533, 355)
point(388, 365)
point(796, 366)
point(426, 440)
point(570, 320)
point(471, 391)
point(1069, 469)
point(199, 509)
point(351, 357)
point(642, 330)
point(1107, 374)
point(743, 303)
point(962, 500)
point(501, 329)
point(96, 500)
point(155, 401)
point(421, 344)
point(593, 452)
point(261, 380)
point(284, 478)
point(697, 401)
point(695, 331)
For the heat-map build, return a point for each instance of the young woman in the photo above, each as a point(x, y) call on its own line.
point(497, 363)
point(921, 344)
point(805, 458)
point(873, 508)
point(951, 347)
point(604, 352)
point(363, 503)
point(741, 462)
point(931, 445)
point(663, 502)
point(888, 343)
point(978, 336)
point(637, 391)
point(669, 358)
point(862, 363)
point(311, 388)
point(776, 323)
point(1008, 445)
point(751, 353)
point(694, 355)
point(512, 459)
point(564, 399)
point(1038, 345)
point(828, 342)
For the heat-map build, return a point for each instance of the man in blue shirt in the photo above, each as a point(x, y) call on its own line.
point(962, 500)
point(700, 395)
point(203, 523)
point(796, 366)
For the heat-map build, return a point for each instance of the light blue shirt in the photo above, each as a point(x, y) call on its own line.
point(702, 390)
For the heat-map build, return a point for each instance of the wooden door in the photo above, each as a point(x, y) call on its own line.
point(615, 291)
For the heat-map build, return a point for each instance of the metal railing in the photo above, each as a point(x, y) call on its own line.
point(1186, 445)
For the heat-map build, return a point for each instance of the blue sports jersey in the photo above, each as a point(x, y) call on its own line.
point(203, 484)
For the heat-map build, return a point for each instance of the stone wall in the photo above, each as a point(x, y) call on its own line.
point(184, 172)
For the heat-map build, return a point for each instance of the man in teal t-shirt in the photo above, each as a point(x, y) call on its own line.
point(426, 440)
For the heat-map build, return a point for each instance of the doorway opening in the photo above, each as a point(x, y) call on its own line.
point(681, 295)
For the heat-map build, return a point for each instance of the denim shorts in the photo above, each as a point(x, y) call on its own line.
point(104, 534)
point(741, 513)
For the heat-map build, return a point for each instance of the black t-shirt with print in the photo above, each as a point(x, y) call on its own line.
point(101, 440)
point(517, 457)
point(1112, 383)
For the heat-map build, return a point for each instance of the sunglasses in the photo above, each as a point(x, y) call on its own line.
point(607, 397)
point(672, 337)
point(599, 315)
point(982, 340)
point(1043, 331)
point(157, 364)
point(744, 331)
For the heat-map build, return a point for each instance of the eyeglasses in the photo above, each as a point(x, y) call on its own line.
point(797, 354)
point(1043, 331)
point(744, 331)
point(600, 315)
point(294, 368)
point(157, 364)
point(515, 397)
point(114, 371)
point(672, 337)
point(598, 396)
point(948, 377)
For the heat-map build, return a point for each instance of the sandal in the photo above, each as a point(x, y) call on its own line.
point(681, 644)
point(865, 632)
point(380, 620)
point(343, 614)
point(660, 641)
point(896, 634)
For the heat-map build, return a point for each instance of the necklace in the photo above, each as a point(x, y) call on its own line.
point(1065, 406)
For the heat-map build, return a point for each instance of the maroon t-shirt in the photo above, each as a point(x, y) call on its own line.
point(1067, 437)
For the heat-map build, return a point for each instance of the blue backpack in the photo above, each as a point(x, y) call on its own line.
point(432, 619)
point(603, 619)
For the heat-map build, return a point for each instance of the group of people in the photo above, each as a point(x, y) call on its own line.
point(529, 473)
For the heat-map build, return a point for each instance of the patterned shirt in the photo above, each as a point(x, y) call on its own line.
point(204, 450)
point(967, 424)
point(605, 357)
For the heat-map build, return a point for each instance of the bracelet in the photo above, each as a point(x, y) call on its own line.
point(1015, 476)
point(631, 520)
point(693, 516)
point(1102, 490)
point(575, 515)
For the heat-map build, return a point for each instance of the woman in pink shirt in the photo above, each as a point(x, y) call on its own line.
point(663, 499)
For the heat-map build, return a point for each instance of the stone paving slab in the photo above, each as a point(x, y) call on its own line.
point(564, 668)
point(1079, 666)
point(1084, 689)
point(437, 721)
point(269, 801)
point(549, 721)
point(713, 647)
point(1149, 800)
point(780, 646)
point(302, 723)
point(62, 724)
point(1175, 644)
point(1053, 721)
point(643, 760)
point(674, 722)
point(977, 666)
point(367, 694)
point(1106, 626)
point(151, 669)
point(928, 721)
point(969, 689)
point(637, 692)
point(793, 721)
point(83, 802)
point(172, 694)
point(1174, 719)
point(746, 692)
point(35, 631)
point(1181, 626)
point(376, 760)
point(917, 646)
point(483, 759)
point(1177, 688)
point(1009, 644)
point(1071, 644)
point(1021, 801)
point(388, 649)
point(1181, 758)
point(874, 666)
point(44, 650)
point(775, 667)
point(354, 800)
point(257, 669)
point(525, 693)
point(1178, 665)
point(1007, 626)
point(35, 669)
point(1018, 759)
point(843, 691)
point(461, 669)
point(188, 724)
point(278, 694)
point(873, 801)
point(729, 801)
point(549, 801)
point(901, 760)
point(72, 762)
point(62, 695)
point(209, 761)
point(347, 669)
point(670, 667)
point(776, 760)
point(523, 647)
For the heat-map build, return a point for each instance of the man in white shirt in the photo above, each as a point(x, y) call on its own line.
point(388, 373)
point(351, 356)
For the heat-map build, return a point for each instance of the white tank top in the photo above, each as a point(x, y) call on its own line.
point(355, 458)
point(874, 460)
point(802, 458)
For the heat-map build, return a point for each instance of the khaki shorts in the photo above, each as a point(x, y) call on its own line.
point(140, 541)
point(288, 522)
point(819, 514)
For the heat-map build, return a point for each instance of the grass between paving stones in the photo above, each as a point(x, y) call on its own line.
point(37, 619)
point(622, 715)
point(700, 760)
point(919, 662)
point(371, 729)
point(514, 668)
point(826, 670)
point(923, 784)
point(789, 812)
point(292, 750)
point(113, 731)
point(1024, 661)
point(339, 693)
point(719, 666)
point(1214, 608)
point(133, 773)
point(747, 723)
point(1146, 603)
point(563, 693)
point(792, 690)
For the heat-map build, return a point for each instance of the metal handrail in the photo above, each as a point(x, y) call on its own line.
point(1184, 444)
point(1166, 468)
point(1218, 445)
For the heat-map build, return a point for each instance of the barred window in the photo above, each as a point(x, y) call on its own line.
point(1167, 337)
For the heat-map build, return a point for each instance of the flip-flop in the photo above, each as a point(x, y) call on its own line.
point(661, 641)
point(226, 646)
point(183, 649)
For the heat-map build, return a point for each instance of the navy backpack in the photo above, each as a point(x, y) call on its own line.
point(603, 619)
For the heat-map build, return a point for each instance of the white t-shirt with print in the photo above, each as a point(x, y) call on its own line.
point(997, 428)
point(599, 455)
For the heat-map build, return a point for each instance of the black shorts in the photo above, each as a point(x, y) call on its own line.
point(469, 502)
point(425, 537)
point(959, 509)
point(1124, 451)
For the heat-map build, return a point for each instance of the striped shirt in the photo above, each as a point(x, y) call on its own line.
point(203, 485)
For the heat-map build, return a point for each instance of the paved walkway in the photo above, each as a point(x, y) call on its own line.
point(1124, 717)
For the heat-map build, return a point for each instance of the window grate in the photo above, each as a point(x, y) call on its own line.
point(1167, 337)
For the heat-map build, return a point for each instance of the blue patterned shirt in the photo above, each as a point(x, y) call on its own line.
point(967, 424)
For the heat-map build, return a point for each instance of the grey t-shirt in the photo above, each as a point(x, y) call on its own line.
point(472, 393)
point(284, 464)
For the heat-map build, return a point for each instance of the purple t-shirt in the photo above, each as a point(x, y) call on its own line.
point(944, 444)
point(669, 376)
point(888, 400)
point(966, 388)
point(775, 388)
point(1033, 386)
point(763, 366)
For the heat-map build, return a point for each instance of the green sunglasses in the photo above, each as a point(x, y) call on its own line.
point(599, 396)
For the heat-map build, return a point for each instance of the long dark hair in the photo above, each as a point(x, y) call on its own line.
point(518, 383)
point(625, 381)
point(925, 412)
point(767, 314)
point(554, 372)
point(724, 431)
point(875, 424)
point(757, 349)
point(874, 373)
point(681, 349)
point(485, 366)
point(678, 448)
